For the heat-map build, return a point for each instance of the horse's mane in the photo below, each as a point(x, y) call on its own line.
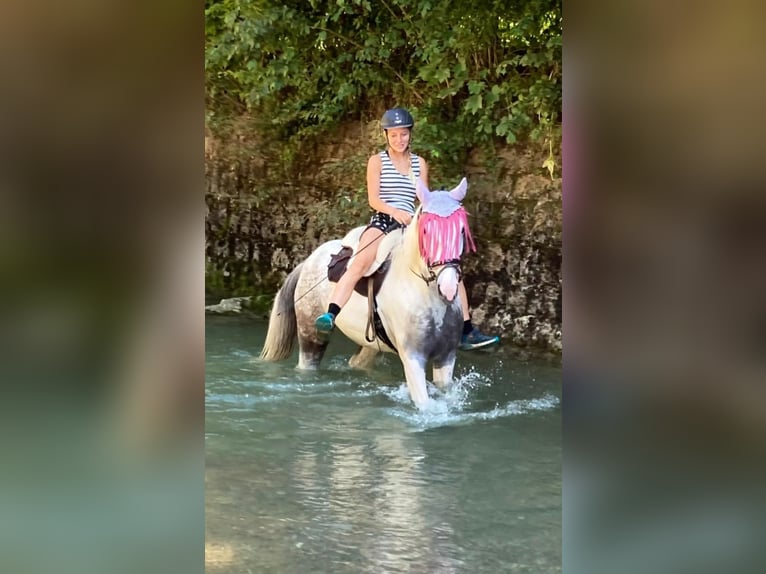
point(409, 247)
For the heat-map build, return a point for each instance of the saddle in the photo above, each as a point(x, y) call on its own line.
point(378, 269)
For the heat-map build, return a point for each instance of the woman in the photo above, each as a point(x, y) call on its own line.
point(391, 178)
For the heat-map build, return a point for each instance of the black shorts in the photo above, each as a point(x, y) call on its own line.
point(381, 221)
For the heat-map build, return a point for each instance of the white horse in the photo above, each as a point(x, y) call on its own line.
point(418, 303)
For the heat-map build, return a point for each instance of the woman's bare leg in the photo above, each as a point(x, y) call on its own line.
point(368, 246)
point(464, 301)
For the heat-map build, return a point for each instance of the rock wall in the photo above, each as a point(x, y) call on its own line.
point(263, 218)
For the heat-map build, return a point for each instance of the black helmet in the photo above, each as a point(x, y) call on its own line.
point(397, 118)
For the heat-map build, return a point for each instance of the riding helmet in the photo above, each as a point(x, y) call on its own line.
point(397, 118)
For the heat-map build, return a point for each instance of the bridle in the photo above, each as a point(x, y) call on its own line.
point(444, 265)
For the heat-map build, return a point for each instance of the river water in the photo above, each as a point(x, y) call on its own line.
point(335, 471)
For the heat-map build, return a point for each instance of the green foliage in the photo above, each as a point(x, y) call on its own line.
point(472, 73)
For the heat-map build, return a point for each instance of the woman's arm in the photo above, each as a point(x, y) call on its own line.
point(374, 167)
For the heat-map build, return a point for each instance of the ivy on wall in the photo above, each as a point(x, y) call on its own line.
point(472, 73)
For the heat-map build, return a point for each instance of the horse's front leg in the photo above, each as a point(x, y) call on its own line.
point(443, 373)
point(415, 373)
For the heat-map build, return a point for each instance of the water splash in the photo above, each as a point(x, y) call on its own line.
point(454, 406)
point(473, 396)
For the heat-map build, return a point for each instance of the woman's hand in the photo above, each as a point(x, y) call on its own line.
point(402, 216)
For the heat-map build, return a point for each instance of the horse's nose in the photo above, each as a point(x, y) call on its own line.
point(448, 282)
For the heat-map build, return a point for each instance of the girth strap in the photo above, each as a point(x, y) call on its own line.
point(374, 324)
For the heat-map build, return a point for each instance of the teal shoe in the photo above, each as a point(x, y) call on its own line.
point(325, 323)
point(477, 340)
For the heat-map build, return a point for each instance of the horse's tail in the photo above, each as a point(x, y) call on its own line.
point(283, 324)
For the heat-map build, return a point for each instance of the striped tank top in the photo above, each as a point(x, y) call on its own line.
point(398, 190)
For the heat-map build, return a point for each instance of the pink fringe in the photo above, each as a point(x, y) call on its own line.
point(439, 238)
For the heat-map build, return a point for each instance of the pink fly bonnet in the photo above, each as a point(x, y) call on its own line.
point(442, 224)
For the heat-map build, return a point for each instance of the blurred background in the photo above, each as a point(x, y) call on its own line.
point(101, 276)
point(665, 230)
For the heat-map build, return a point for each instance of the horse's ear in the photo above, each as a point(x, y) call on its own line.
point(421, 190)
point(459, 192)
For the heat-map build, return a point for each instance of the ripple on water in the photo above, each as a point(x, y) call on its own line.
point(245, 393)
point(453, 407)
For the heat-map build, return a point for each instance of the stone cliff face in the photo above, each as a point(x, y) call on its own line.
point(514, 281)
point(261, 221)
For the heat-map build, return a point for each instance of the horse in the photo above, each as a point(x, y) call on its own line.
point(418, 303)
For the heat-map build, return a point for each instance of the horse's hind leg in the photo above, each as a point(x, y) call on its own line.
point(311, 347)
point(310, 352)
point(363, 358)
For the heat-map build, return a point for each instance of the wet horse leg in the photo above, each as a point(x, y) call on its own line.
point(363, 358)
point(310, 353)
point(311, 346)
point(443, 374)
point(415, 373)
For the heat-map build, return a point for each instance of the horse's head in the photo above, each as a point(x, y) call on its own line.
point(443, 235)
